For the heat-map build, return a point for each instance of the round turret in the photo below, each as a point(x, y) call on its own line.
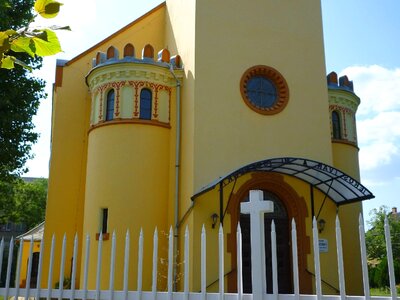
point(343, 104)
point(130, 144)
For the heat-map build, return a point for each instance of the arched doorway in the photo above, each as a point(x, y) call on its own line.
point(281, 220)
point(289, 205)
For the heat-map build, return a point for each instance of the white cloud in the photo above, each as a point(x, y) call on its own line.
point(378, 88)
point(378, 117)
point(379, 126)
point(377, 154)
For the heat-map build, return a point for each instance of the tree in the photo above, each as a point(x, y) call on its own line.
point(376, 246)
point(22, 38)
point(7, 201)
point(20, 94)
point(25, 202)
point(30, 202)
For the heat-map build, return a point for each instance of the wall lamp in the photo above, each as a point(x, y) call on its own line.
point(214, 219)
point(321, 225)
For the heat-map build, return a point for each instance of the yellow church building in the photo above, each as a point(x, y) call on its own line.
point(173, 119)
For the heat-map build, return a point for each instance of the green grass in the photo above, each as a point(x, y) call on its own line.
point(380, 291)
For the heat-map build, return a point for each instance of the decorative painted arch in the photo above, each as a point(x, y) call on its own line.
point(296, 208)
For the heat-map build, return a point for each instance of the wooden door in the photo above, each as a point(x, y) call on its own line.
point(281, 220)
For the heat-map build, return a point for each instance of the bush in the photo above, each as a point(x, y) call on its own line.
point(379, 274)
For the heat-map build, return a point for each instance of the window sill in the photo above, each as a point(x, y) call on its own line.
point(105, 236)
point(129, 121)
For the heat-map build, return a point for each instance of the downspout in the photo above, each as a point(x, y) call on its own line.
point(177, 167)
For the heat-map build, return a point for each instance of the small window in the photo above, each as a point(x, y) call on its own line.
point(104, 220)
point(110, 105)
point(145, 104)
point(336, 130)
point(103, 225)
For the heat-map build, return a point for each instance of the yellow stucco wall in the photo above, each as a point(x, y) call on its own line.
point(296, 52)
point(345, 157)
point(139, 164)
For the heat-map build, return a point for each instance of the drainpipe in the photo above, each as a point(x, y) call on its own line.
point(177, 167)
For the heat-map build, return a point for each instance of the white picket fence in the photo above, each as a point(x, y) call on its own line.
point(111, 294)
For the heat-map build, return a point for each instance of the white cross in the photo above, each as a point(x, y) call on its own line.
point(256, 207)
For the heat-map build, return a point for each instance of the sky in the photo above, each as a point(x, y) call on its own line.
point(362, 41)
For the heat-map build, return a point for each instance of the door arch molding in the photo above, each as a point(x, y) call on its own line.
point(296, 208)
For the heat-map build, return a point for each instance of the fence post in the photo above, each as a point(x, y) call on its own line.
point(86, 268)
point(364, 257)
point(74, 259)
point(155, 258)
point(126, 264)
point(317, 267)
point(203, 264)
point(339, 250)
point(99, 257)
point(51, 265)
point(239, 262)
point(62, 267)
point(112, 265)
point(170, 261)
point(39, 278)
point(17, 276)
point(275, 289)
point(295, 261)
point(221, 261)
point(389, 253)
point(140, 265)
point(186, 254)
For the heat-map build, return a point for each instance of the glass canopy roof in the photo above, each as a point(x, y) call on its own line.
point(338, 186)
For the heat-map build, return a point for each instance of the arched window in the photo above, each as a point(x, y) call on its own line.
point(145, 104)
point(110, 105)
point(336, 130)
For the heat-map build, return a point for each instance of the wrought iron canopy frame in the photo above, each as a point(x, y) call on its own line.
point(337, 185)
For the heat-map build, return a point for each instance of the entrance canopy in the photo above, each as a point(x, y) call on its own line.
point(338, 186)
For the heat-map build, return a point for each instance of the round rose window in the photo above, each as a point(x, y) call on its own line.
point(264, 90)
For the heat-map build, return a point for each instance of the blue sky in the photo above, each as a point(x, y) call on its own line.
point(361, 41)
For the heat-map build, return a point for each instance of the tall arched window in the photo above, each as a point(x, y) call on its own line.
point(110, 105)
point(336, 130)
point(145, 104)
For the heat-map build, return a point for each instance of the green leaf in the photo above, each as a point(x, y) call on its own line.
point(7, 62)
point(11, 32)
point(24, 44)
point(6, 5)
point(47, 43)
point(4, 42)
point(47, 8)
